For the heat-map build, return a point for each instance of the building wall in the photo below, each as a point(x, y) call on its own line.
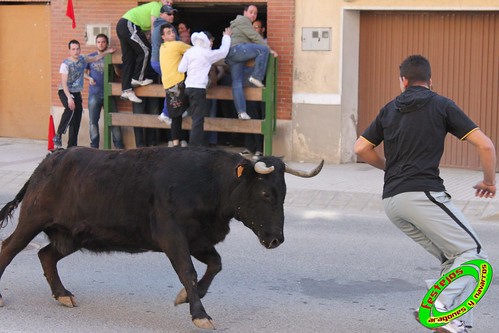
point(463, 48)
point(25, 70)
point(326, 82)
point(317, 90)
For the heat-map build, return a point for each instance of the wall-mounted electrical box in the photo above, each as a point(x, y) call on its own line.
point(316, 39)
point(94, 29)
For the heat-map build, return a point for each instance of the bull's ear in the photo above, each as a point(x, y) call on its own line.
point(239, 170)
point(243, 166)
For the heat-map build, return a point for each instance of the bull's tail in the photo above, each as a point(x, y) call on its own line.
point(7, 211)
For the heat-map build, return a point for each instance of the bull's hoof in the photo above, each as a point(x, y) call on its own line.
point(205, 324)
point(68, 301)
point(181, 297)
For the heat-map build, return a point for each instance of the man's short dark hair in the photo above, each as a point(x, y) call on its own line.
point(73, 41)
point(416, 68)
point(163, 26)
point(246, 7)
point(102, 36)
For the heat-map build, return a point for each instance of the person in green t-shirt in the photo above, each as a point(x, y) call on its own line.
point(135, 47)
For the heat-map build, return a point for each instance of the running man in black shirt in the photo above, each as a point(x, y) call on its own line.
point(413, 127)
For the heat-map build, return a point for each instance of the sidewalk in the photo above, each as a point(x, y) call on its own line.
point(356, 188)
point(345, 188)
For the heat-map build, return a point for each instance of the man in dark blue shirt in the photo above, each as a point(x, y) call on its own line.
point(94, 72)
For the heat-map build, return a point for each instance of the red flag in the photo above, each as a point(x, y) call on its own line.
point(71, 13)
point(50, 142)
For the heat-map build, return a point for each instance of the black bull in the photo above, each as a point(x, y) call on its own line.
point(173, 200)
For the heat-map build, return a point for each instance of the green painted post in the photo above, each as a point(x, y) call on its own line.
point(108, 76)
point(269, 97)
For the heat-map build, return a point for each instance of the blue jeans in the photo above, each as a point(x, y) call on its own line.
point(95, 104)
point(237, 58)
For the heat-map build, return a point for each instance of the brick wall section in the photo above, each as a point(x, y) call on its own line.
point(86, 12)
point(280, 27)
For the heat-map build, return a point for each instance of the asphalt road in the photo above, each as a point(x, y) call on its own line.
point(334, 273)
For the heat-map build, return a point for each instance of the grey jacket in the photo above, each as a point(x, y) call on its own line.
point(243, 32)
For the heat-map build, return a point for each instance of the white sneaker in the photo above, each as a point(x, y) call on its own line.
point(170, 143)
point(166, 119)
point(454, 326)
point(183, 143)
point(130, 95)
point(137, 83)
point(245, 153)
point(256, 82)
point(243, 115)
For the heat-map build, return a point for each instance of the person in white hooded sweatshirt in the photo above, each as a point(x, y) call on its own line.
point(197, 62)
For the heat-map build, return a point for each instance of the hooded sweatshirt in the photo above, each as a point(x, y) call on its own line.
point(197, 60)
point(413, 127)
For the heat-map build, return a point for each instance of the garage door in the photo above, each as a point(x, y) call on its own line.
point(463, 48)
point(25, 70)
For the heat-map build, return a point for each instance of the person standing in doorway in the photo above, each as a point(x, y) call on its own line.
point(94, 73)
point(166, 15)
point(185, 36)
point(72, 72)
point(183, 26)
point(413, 128)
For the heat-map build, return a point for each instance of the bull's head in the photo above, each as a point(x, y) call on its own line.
point(260, 195)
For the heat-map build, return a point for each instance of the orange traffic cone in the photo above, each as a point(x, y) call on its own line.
point(50, 141)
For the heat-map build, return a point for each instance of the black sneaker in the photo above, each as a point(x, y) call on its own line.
point(57, 141)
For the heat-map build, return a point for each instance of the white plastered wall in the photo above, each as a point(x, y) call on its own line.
point(325, 83)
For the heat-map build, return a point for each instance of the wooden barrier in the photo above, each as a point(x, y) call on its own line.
point(266, 126)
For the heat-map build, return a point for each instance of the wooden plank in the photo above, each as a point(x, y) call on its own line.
point(116, 59)
point(233, 125)
point(225, 93)
point(217, 92)
point(210, 124)
point(152, 90)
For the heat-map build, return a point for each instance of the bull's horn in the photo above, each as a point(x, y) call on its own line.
point(305, 174)
point(262, 168)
